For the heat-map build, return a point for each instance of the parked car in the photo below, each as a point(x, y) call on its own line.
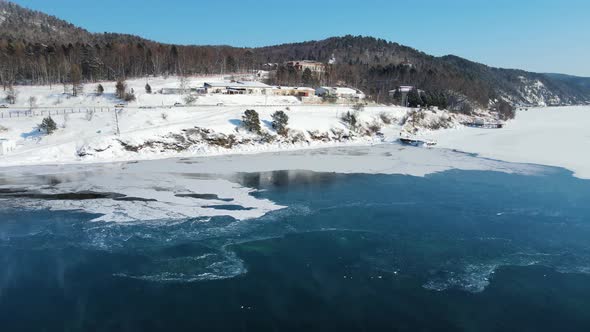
point(3, 106)
point(119, 105)
point(177, 104)
point(219, 104)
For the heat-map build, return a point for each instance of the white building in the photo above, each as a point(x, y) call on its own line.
point(293, 91)
point(238, 88)
point(301, 65)
point(340, 92)
point(6, 146)
point(403, 90)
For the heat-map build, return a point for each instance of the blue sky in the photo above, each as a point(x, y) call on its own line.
point(541, 35)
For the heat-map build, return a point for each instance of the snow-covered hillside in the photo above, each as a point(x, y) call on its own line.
point(91, 129)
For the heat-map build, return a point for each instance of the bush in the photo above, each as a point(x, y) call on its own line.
point(279, 123)
point(329, 99)
point(189, 99)
point(129, 97)
point(11, 95)
point(505, 110)
point(121, 89)
point(48, 125)
point(99, 89)
point(148, 88)
point(350, 119)
point(465, 108)
point(385, 118)
point(359, 107)
point(89, 115)
point(374, 127)
point(251, 121)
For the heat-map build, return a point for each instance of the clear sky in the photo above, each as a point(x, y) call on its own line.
point(535, 35)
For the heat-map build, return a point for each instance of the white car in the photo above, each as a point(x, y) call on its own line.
point(119, 105)
point(3, 106)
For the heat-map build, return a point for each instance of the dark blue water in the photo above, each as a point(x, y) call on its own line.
point(456, 251)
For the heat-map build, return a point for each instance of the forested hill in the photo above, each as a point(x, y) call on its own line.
point(36, 48)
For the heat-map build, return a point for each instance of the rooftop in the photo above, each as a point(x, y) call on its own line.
point(238, 84)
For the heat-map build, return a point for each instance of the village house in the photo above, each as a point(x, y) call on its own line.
point(403, 91)
point(314, 66)
point(176, 91)
point(340, 92)
point(238, 88)
point(293, 91)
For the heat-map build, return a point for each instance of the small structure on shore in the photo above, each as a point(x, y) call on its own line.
point(238, 88)
point(340, 92)
point(482, 124)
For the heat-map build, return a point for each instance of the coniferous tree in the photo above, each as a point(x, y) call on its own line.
point(279, 122)
point(48, 125)
point(99, 89)
point(148, 88)
point(414, 98)
point(120, 89)
point(307, 77)
point(251, 121)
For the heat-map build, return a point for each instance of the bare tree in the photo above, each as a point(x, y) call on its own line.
point(76, 77)
point(11, 95)
point(32, 102)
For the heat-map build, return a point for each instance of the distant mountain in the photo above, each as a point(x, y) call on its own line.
point(39, 48)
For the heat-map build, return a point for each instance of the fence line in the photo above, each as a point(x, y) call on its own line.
point(51, 112)
point(8, 114)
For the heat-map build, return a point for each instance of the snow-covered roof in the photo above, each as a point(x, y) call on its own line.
point(238, 85)
point(404, 88)
point(294, 88)
point(342, 91)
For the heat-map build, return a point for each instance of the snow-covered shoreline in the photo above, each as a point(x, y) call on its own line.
point(555, 136)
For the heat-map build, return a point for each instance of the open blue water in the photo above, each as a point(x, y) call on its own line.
point(455, 251)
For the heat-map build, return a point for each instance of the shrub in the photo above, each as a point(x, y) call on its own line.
point(121, 89)
point(32, 102)
point(190, 99)
point(374, 127)
point(251, 121)
point(48, 125)
point(505, 110)
point(385, 118)
point(11, 95)
point(89, 115)
point(350, 119)
point(359, 107)
point(148, 88)
point(129, 97)
point(279, 123)
point(329, 99)
point(164, 116)
point(99, 89)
